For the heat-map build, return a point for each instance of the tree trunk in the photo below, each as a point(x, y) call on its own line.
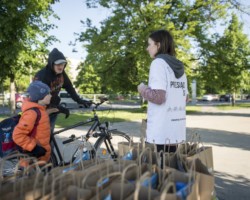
point(12, 95)
point(233, 99)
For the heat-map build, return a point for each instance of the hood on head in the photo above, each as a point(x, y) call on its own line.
point(176, 65)
point(55, 55)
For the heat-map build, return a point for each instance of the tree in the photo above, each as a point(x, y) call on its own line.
point(23, 37)
point(228, 63)
point(88, 81)
point(117, 49)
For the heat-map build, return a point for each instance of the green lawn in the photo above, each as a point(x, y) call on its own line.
point(112, 116)
point(236, 107)
point(125, 115)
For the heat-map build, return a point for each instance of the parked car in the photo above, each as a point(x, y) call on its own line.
point(20, 97)
point(248, 96)
point(226, 97)
point(136, 97)
point(210, 97)
point(68, 102)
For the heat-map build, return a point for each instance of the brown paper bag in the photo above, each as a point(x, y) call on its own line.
point(135, 148)
point(205, 154)
point(143, 128)
point(174, 176)
point(169, 192)
point(206, 186)
point(125, 147)
point(205, 179)
point(143, 192)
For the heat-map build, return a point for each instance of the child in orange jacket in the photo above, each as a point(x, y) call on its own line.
point(37, 144)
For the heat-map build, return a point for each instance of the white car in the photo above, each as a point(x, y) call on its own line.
point(210, 97)
point(68, 102)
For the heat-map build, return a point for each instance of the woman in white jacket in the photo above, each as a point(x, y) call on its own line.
point(166, 94)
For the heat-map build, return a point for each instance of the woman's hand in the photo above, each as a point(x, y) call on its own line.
point(141, 87)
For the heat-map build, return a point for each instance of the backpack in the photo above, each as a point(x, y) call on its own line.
point(7, 145)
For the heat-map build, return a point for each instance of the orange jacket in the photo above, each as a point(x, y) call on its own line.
point(25, 125)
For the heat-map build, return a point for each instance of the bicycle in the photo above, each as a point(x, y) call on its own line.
point(105, 147)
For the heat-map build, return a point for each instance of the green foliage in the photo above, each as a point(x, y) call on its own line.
point(88, 81)
point(117, 52)
point(21, 29)
point(23, 38)
point(227, 64)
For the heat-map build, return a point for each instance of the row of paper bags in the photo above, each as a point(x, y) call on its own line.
point(187, 174)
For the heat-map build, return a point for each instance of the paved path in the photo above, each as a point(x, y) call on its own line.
point(228, 132)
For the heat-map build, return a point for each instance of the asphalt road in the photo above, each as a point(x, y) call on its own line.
point(229, 135)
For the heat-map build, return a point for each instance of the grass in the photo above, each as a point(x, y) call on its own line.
point(236, 107)
point(112, 116)
point(125, 115)
point(193, 109)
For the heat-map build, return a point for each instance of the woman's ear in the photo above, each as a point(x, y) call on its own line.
point(158, 46)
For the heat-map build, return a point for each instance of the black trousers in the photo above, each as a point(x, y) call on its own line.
point(168, 148)
point(171, 148)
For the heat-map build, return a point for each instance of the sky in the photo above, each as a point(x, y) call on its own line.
point(72, 12)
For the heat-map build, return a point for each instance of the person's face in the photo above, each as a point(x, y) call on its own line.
point(59, 68)
point(46, 99)
point(152, 47)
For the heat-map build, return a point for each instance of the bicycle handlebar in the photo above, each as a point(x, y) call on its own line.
point(71, 139)
point(102, 100)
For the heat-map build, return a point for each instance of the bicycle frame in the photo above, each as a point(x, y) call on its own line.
point(91, 130)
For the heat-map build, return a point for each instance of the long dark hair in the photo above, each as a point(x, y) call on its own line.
point(166, 41)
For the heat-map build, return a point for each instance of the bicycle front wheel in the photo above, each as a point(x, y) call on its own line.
point(108, 146)
point(53, 159)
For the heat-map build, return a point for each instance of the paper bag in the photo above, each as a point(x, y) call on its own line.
point(143, 128)
point(205, 154)
point(205, 179)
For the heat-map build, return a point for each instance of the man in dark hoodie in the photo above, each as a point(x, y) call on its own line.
point(166, 94)
point(54, 75)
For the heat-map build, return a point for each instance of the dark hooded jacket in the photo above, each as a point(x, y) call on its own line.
point(56, 81)
point(176, 65)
